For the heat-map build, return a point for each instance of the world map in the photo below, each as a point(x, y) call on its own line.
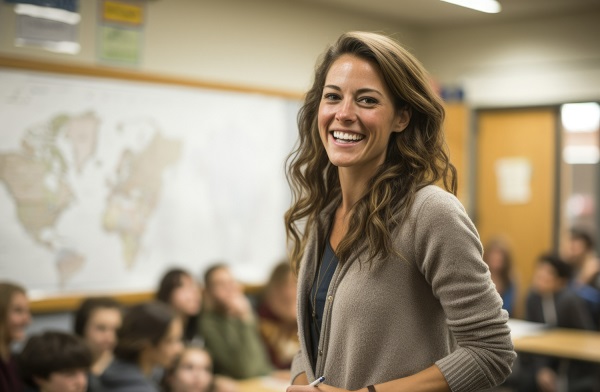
point(105, 183)
point(37, 179)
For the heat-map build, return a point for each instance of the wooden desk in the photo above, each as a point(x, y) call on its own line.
point(564, 343)
point(262, 384)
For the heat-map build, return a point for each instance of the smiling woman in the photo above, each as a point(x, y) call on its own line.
point(380, 241)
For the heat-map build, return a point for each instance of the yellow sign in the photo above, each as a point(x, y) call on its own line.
point(121, 12)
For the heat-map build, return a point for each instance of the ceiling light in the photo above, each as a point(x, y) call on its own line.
point(488, 6)
point(575, 155)
point(580, 117)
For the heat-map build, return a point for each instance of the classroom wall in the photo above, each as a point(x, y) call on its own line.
point(262, 43)
point(523, 63)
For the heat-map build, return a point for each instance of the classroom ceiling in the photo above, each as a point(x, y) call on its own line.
point(432, 13)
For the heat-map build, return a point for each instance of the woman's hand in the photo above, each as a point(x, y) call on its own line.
point(320, 388)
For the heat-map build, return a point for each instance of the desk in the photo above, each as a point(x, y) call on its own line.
point(262, 384)
point(558, 342)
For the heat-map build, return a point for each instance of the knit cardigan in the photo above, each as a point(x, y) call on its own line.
point(435, 304)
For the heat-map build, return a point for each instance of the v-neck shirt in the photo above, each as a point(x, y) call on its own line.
point(318, 297)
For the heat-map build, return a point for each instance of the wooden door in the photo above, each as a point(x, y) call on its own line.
point(528, 225)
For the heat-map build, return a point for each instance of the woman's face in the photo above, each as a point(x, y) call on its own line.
point(357, 115)
point(186, 298)
point(223, 286)
point(101, 330)
point(282, 299)
point(65, 381)
point(165, 352)
point(194, 372)
point(495, 260)
point(18, 317)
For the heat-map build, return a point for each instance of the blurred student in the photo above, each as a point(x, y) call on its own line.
point(179, 289)
point(97, 321)
point(55, 362)
point(581, 255)
point(278, 316)
point(14, 319)
point(551, 302)
point(229, 328)
point(498, 256)
point(150, 337)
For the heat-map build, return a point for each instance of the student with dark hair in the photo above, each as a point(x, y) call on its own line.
point(14, 319)
point(149, 337)
point(581, 255)
point(55, 362)
point(192, 371)
point(97, 321)
point(229, 327)
point(181, 291)
point(551, 302)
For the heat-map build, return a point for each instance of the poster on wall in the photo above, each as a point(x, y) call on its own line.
point(513, 176)
point(120, 31)
point(52, 25)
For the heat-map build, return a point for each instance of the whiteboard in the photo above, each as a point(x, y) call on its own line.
point(105, 183)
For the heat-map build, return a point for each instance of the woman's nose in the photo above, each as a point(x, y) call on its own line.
point(346, 111)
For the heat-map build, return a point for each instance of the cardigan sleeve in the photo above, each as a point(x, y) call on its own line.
point(449, 254)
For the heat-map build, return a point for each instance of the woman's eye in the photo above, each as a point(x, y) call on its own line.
point(331, 97)
point(368, 100)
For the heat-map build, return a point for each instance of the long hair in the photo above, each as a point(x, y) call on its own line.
point(7, 291)
point(415, 157)
point(172, 280)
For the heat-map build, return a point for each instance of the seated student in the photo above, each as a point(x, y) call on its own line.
point(498, 257)
point(581, 255)
point(229, 327)
point(179, 289)
point(55, 362)
point(552, 303)
point(277, 316)
point(149, 337)
point(14, 319)
point(97, 321)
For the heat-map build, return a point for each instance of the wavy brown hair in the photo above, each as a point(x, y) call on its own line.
point(415, 157)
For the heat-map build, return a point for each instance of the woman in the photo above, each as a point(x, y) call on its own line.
point(97, 321)
point(14, 319)
point(191, 372)
point(498, 257)
point(150, 337)
point(277, 316)
point(393, 294)
point(179, 289)
point(55, 361)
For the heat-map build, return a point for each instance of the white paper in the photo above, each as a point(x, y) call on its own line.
point(514, 180)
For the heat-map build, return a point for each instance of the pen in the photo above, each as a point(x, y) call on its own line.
point(317, 382)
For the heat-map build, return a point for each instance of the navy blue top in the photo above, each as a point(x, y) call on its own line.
point(318, 296)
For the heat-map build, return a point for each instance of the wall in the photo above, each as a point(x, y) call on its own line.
point(524, 63)
point(262, 43)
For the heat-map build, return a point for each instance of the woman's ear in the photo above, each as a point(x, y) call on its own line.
point(402, 119)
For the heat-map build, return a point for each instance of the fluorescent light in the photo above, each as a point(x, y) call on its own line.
point(580, 117)
point(488, 6)
point(581, 155)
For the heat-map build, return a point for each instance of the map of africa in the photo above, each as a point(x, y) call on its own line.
point(104, 184)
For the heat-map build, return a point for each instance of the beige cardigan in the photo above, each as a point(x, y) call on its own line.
point(438, 306)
